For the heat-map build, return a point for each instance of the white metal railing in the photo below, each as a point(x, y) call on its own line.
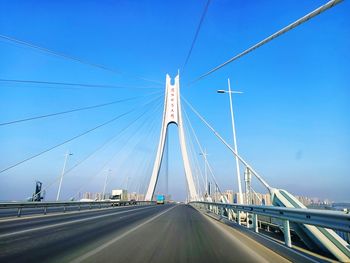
point(78, 205)
point(336, 220)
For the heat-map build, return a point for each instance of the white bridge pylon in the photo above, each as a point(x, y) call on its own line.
point(172, 114)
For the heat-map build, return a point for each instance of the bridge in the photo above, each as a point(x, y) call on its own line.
point(206, 227)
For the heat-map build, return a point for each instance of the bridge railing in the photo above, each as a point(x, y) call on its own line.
point(73, 205)
point(335, 220)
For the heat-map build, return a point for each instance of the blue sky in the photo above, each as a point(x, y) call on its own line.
point(292, 121)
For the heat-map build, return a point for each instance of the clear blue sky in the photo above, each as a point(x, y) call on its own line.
point(292, 121)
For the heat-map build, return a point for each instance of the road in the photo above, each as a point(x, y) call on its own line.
point(163, 233)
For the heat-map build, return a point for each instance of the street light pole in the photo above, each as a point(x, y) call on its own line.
point(62, 174)
point(235, 144)
point(204, 154)
point(240, 201)
point(105, 184)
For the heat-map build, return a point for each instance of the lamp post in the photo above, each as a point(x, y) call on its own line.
point(229, 91)
point(204, 154)
point(62, 174)
point(105, 184)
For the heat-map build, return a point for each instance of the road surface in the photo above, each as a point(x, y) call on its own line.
point(163, 233)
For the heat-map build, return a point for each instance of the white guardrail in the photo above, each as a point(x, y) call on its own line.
point(335, 220)
point(78, 205)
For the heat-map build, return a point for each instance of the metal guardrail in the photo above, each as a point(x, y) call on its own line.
point(77, 204)
point(329, 219)
point(335, 220)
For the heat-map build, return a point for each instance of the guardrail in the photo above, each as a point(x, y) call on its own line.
point(336, 220)
point(70, 204)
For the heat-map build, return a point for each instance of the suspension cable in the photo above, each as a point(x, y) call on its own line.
point(74, 85)
point(110, 140)
point(202, 152)
point(73, 58)
point(144, 168)
point(70, 111)
point(69, 140)
point(227, 145)
point(298, 22)
point(194, 160)
point(196, 35)
point(128, 154)
point(148, 163)
point(118, 135)
point(153, 136)
point(193, 149)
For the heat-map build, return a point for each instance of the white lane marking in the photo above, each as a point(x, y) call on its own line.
point(70, 222)
point(100, 248)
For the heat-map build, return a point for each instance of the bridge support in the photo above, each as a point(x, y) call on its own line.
point(314, 237)
point(172, 114)
point(255, 223)
point(286, 232)
point(239, 217)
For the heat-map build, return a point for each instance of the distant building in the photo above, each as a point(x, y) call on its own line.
point(237, 199)
point(98, 196)
point(312, 201)
point(304, 200)
point(88, 195)
point(229, 195)
point(266, 199)
point(257, 198)
point(136, 196)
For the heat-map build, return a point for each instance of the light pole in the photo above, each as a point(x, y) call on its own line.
point(240, 201)
point(105, 184)
point(204, 154)
point(62, 174)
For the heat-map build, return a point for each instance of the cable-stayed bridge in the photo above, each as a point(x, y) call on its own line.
point(206, 228)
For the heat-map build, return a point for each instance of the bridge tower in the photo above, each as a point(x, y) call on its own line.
point(172, 114)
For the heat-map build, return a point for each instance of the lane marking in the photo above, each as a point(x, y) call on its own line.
point(70, 222)
point(105, 245)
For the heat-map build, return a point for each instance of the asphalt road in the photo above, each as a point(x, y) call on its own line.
point(163, 233)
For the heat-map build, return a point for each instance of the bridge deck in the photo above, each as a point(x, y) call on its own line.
point(166, 233)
